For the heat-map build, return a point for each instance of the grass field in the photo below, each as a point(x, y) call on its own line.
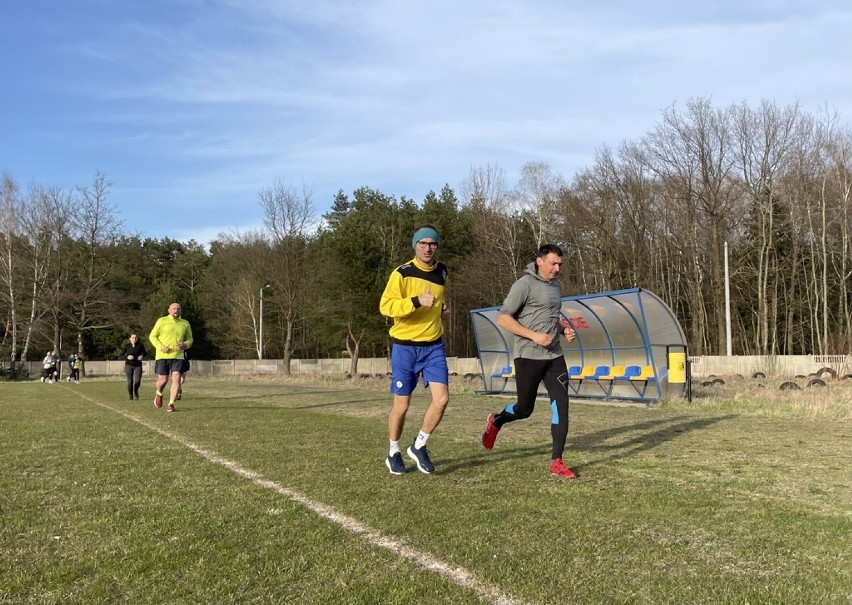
point(259, 492)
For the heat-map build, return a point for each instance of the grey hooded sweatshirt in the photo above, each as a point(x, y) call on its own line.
point(535, 303)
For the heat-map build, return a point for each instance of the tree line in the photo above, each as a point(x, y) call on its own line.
point(769, 183)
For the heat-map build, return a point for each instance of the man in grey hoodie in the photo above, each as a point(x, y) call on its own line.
point(531, 312)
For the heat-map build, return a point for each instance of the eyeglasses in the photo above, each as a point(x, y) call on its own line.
point(428, 244)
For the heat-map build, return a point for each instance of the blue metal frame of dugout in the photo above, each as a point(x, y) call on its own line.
point(621, 351)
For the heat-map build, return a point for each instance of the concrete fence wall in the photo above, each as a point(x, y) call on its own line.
point(769, 365)
point(745, 365)
point(234, 367)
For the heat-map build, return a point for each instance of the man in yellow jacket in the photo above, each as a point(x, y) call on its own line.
point(170, 337)
point(414, 298)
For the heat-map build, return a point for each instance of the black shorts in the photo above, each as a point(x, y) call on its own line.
point(166, 367)
point(185, 368)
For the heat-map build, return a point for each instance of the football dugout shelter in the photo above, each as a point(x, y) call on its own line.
point(629, 346)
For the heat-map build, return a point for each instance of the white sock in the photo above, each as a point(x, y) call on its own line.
point(394, 448)
point(421, 440)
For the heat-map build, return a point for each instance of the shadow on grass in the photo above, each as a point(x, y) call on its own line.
point(650, 435)
point(273, 406)
point(491, 457)
point(276, 395)
point(640, 437)
point(331, 403)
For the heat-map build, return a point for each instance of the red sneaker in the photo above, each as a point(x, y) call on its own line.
point(171, 408)
point(158, 401)
point(489, 436)
point(560, 470)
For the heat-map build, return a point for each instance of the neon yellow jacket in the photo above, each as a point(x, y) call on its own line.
point(411, 322)
point(169, 331)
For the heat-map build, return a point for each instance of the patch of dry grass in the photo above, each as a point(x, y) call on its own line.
point(765, 397)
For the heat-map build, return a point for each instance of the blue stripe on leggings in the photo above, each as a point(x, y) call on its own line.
point(555, 419)
point(511, 408)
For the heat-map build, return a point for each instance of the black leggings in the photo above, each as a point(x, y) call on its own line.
point(134, 379)
point(529, 373)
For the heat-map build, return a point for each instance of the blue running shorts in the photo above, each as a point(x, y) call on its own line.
point(409, 361)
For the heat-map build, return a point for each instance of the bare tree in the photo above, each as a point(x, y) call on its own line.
point(797, 192)
point(691, 152)
point(94, 227)
point(609, 212)
point(498, 243)
point(287, 216)
point(353, 347)
point(535, 198)
point(485, 186)
point(839, 154)
point(833, 199)
point(10, 228)
point(765, 140)
point(44, 221)
point(241, 266)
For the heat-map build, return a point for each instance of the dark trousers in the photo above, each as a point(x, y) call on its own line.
point(529, 373)
point(134, 379)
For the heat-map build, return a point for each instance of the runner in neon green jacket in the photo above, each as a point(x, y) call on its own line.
point(171, 336)
point(168, 333)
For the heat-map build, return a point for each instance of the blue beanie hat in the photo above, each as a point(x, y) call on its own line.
point(425, 232)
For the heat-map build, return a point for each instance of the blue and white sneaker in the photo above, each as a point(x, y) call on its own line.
point(421, 457)
point(395, 464)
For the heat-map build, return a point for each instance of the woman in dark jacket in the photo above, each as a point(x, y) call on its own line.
point(133, 354)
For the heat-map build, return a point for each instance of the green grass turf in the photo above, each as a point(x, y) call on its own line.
point(103, 500)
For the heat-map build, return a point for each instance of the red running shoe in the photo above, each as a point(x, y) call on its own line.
point(171, 408)
point(489, 436)
point(560, 470)
point(158, 401)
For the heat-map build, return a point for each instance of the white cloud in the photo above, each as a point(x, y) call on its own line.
point(199, 104)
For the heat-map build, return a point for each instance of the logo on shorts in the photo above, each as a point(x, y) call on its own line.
point(399, 384)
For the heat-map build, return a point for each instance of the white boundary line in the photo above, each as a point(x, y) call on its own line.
point(457, 575)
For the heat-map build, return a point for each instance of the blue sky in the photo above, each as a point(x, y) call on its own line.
point(191, 107)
